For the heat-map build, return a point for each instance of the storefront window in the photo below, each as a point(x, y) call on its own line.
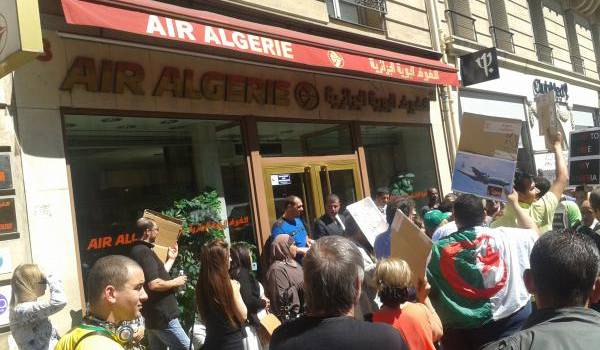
point(303, 139)
point(393, 151)
point(121, 166)
point(583, 117)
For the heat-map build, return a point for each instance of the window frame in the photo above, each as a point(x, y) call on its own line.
point(337, 13)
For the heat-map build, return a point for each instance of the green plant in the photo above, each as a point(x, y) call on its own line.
point(201, 223)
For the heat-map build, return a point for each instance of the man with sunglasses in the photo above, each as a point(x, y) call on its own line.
point(540, 210)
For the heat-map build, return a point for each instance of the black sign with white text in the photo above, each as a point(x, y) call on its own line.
point(585, 143)
point(479, 66)
point(584, 172)
point(584, 157)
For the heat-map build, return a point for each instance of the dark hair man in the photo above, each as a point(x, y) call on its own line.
point(540, 210)
point(567, 213)
point(564, 279)
point(595, 203)
point(382, 197)
point(433, 201)
point(383, 241)
point(333, 275)
point(291, 223)
point(160, 311)
point(115, 291)
point(475, 276)
point(332, 223)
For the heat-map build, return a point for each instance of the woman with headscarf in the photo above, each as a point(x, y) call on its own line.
point(285, 281)
point(29, 323)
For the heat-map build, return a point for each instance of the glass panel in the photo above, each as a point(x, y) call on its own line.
point(297, 184)
point(121, 166)
point(341, 183)
point(303, 139)
point(583, 119)
point(397, 150)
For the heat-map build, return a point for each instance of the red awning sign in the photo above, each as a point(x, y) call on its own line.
point(323, 55)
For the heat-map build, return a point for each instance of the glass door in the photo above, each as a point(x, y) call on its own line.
point(312, 179)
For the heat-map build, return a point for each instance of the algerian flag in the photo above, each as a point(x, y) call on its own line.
point(476, 275)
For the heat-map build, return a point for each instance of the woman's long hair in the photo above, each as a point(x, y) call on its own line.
point(25, 283)
point(213, 289)
point(240, 259)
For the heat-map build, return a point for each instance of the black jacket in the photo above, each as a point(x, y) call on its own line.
point(326, 226)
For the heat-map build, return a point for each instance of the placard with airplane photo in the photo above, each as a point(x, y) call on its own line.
point(483, 176)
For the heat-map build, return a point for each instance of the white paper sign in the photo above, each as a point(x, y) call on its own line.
point(5, 292)
point(369, 219)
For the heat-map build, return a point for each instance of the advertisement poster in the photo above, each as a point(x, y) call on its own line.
point(5, 292)
point(584, 157)
point(8, 217)
point(369, 219)
point(5, 261)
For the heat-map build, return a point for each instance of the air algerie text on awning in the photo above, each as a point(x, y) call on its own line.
point(209, 29)
point(220, 37)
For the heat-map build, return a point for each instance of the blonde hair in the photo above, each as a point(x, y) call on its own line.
point(24, 283)
point(393, 273)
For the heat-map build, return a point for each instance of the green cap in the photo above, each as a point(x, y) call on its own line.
point(434, 218)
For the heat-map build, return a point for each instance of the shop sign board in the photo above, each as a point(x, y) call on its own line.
point(584, 157)
point(479, 66)
point(20, 34)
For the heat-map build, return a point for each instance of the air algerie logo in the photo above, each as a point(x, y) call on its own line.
point(336, 58)
point(474, 269)
point(3, 33)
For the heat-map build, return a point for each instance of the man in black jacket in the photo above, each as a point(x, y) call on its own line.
point(564, 279)
point(332, 223)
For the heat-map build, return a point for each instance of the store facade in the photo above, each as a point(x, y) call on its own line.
point(513, 96)
point(105, 128)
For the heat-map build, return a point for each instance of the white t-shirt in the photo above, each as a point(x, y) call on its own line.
point(444, 231)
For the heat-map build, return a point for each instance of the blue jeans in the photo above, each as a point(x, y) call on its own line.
point(173, 337)
point(473, 339)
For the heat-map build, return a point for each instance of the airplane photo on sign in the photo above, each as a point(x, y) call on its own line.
point(482, 176)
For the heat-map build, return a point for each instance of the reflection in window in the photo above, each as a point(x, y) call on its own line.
point(392, 151)
point(368, 13)
point(121, 166)
point(303, 139)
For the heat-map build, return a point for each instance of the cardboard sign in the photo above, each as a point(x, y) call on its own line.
point(487, 156)
point(584, 157)
point(410, 244)
point(547, 113)
point(369, 219)
point(490, 136)
point(169, 231)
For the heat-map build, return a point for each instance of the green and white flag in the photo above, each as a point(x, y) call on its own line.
point(476, 275)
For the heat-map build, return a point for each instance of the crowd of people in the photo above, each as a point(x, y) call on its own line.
point(517, 275)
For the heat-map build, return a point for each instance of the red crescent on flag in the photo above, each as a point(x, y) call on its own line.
point(458, 284)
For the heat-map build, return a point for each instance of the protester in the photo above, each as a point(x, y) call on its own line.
point(447, 203)
point(417, 321)
point(434, 219)
point(581, 194)
point(285, 282)
point(382, 197)
point(219, 301)
point(160, 310)
point(595, 204)
point(384, 240)
point(241, 270)
point(333, 273)
point(493, 210)
point(433, 201)
point(291, 224)
point(367, 303)
point(28, 317)
point(588, 219)
point(567, 214)
point(332, 223)
point(540, 210)
point(564, 279)
point(115, 292)
point(475, 275)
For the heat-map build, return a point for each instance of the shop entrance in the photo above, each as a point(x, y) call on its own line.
point(312, 179)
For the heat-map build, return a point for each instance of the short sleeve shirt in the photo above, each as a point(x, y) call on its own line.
point(92, 342)
point(383, 244)
point(294, 228)
point(161, 307)
point(540, 211)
